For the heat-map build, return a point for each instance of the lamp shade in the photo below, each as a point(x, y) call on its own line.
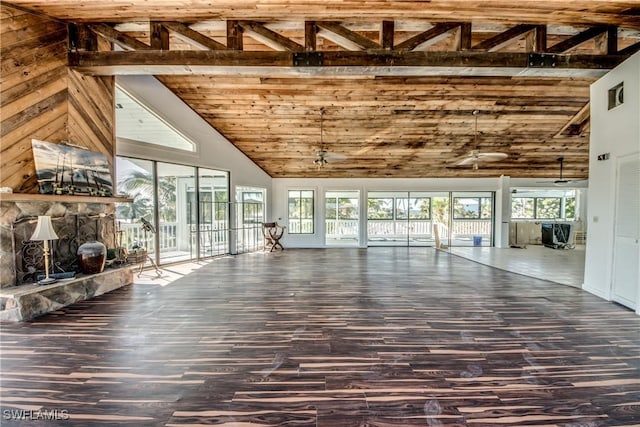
point(44, 229)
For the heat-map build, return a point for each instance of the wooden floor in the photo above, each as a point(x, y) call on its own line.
point(335, 337)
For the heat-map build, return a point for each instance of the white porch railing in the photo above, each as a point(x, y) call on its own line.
point(471, 227)
point(133, 232)
point(300, 226)
point(341, 228)
point(400, 229)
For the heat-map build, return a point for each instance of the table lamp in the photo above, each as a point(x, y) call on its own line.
point(44, 232)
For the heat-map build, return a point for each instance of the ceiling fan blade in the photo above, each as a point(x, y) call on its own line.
point(491, 157)
point(466, 161)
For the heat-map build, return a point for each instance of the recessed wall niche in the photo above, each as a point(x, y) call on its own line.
point(616, 95)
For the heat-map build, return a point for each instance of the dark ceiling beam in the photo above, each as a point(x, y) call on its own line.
point(432, 35)
point(81, 37)
point(332, 63)
point(577, 40)
point(193, 37)
point(502, 39)
point(234, 35)
point(344, 37)
point(630, 50)
point(269, 37)
point(463, 41)
point(612, 40)
point(540, 41)
point(159, 36)
point(121, 39)
point(310, 39)
point(387, 35)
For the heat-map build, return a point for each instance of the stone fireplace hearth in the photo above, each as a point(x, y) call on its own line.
point(21, 260)
point(75, 219)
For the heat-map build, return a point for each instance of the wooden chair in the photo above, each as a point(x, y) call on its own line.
point(272, 233)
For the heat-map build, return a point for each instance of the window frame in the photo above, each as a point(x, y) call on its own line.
point(291, 230)
point(481, 205)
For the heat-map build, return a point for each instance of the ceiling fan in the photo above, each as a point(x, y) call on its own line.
point(562, 181)
point(474, 157)
point(322, 155)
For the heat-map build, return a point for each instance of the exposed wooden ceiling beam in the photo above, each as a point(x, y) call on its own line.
point(500, 40)
point(121, 39)
point(576, 40)
point(192, 37)
point(431, 36)
point(577, 125)
point(387, 35)
point(269, 37)
point(334, 63)
point(159, 36)
point(630, 50)
point(344, 37)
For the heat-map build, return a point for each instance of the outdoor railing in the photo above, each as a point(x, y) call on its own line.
point(343, 228)
point(300, 226)
point(133, 232)
point(389, 228)
point(471, 227)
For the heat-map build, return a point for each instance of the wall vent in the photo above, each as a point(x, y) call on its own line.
point(616, 96)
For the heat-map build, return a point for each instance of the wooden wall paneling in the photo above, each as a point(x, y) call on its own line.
point(34, 92)
point(42, 99)
point(92, 112)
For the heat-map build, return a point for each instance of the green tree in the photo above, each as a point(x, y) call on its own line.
point(570, 208)
point(139, 185)
point(440, 207)
point(548, 207)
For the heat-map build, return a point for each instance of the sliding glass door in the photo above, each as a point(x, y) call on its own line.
point(177, 210)
point(472, 222)
point(342, 218)
point(187, 206)
point(399, 219)
point(429, 218)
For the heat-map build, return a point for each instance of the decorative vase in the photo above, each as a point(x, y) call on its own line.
point(91, 257)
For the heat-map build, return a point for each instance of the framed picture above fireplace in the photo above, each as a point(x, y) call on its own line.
point(64, 169)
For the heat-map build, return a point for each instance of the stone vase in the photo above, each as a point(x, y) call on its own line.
point(91, 257)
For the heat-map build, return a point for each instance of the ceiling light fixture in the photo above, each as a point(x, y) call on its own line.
point(321, 159)
point(475, 156)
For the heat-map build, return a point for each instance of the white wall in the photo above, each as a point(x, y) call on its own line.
point(615, 131)
point(213, 150)
point(364, 185)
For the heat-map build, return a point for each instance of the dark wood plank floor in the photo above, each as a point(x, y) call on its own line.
point(378, 337)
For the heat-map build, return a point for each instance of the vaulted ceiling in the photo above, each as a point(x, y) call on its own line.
point(397, 81)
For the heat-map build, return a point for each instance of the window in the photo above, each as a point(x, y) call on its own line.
point(380, 208)
point(570, 208)
point(420, 208)
point(341, 208)
point(523, 208)
point(301, 211)
point(548, 207)
point(472, 208)
point(135, 122)
point(540, 207)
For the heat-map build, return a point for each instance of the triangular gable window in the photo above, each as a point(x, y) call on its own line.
point(135, 122)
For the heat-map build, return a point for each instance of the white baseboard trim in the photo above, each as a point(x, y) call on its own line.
point(597, 292)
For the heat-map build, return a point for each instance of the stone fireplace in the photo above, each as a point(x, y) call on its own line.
point(74, 223)
point(76, 220)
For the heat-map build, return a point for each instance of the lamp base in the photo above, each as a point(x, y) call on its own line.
point(46, 281)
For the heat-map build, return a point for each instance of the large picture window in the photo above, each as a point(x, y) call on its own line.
point(540, 207)
point(301, 213)
point(472, 207)
point(380, 208)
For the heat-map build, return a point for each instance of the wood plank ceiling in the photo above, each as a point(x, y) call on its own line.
point(378, 121)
